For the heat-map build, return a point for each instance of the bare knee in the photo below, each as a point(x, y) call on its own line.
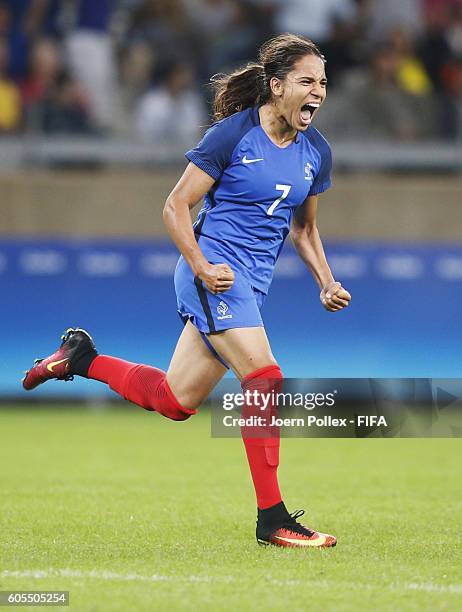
point(250, 366)
point(190, 399)
point(245, 349)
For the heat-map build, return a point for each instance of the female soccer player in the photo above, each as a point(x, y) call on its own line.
point(260, 169)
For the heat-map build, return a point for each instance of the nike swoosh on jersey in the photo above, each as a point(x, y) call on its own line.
point(251, 161)
point(316, 542)
point(52, 364)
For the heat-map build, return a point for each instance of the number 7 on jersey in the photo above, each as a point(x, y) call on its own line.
point(285, 192)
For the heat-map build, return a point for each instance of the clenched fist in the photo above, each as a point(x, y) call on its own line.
point(334, 297)
point(218, 278)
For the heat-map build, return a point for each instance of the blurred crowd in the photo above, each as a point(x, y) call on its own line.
point(140, 67)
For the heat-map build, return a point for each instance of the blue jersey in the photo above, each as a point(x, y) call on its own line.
point(247, 214)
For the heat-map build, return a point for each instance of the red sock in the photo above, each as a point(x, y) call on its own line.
point(140, 384)
point(262, 445)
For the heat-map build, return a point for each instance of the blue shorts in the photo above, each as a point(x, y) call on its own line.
point(211, 314)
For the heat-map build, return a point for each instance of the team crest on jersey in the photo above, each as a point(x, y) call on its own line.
point(222, 309)
point(308, 172)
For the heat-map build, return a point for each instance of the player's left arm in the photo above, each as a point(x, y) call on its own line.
point(307, 241)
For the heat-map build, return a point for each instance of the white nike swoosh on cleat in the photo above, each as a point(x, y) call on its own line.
point(316, 542)
point(251, 161)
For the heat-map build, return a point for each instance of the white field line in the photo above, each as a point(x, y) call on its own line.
point(435, 588)
point(429, 587)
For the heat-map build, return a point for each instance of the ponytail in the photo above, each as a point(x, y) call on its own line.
point(249, 86)
point(239, 90)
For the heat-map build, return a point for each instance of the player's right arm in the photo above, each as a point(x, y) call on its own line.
point(189, 190)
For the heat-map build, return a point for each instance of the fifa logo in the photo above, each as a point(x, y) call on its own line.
point(222, 309)
point(308, 172)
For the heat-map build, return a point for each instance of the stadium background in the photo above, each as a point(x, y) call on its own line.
point(130, 511)
point(99, 101)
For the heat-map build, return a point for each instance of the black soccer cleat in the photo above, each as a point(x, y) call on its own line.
point(73, 357)
point(275, 526)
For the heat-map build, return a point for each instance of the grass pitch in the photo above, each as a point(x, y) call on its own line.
point(129, 511)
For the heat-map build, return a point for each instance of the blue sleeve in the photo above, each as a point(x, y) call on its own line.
point(213, 153)
point(323, 179)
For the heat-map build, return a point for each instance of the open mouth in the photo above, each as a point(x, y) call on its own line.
point(307, 111)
